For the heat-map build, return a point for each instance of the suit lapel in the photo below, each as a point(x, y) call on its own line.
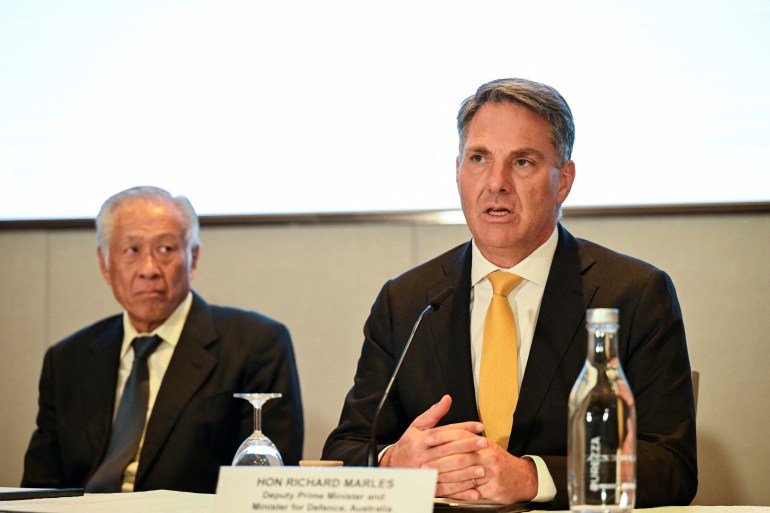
point(98, 380)
point(565, 299)
point(450, 330)
point(189, 367)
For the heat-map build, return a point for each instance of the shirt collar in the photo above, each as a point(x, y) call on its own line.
point(534, 268)
point(170, 331)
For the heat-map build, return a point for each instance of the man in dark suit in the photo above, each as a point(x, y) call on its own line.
point(513, 174)
point(148, 248)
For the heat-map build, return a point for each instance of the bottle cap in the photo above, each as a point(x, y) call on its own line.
point(602, 315)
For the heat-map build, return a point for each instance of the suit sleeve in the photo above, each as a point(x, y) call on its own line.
point(658, 368)
point(42, 462)
point(654, 357)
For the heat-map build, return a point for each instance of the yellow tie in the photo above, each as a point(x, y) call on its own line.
point(499, 378)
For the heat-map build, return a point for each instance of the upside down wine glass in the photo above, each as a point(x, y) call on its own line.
point(257, 449)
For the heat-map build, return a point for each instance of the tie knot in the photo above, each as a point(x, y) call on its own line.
point(503, 283)
point(144, 346)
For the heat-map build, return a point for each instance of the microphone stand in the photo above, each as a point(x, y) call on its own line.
point(434, 304)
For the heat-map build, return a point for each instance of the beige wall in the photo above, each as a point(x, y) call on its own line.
point(320, 279)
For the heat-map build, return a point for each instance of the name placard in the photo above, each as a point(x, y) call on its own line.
point(324, 490)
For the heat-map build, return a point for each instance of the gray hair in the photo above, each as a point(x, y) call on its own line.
point(543, 100)
point(105, 218)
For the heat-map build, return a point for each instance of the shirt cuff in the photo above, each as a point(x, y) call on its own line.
point(546, 489)
point(383, 451)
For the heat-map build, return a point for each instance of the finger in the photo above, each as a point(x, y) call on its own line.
point(440, 436)
point(434, 414)
point(451, 463)
point(458, 491)
point(466, 474)
point(475, 428)
point(468, 446)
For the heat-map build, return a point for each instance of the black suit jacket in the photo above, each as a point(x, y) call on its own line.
point(583, 275)
point(196, 424)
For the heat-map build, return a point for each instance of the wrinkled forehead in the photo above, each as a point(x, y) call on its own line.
point(506, 118)
point(491, 103)
point(148, 218)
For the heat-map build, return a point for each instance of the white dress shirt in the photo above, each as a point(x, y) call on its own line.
point(525, 302)
point(157, 363)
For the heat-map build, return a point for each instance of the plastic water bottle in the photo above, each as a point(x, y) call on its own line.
point(601, 442)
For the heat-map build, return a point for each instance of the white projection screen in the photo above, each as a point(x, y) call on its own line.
point(255, 107)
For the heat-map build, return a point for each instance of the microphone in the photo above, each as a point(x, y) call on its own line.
point(433, 304)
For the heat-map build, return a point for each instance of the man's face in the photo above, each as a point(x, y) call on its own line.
point(509, 183)
point(149, 268)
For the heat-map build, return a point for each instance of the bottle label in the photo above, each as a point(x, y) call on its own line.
point(604, 465)
point(594, 460)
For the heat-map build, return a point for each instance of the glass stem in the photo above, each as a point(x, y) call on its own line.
point(258, 419)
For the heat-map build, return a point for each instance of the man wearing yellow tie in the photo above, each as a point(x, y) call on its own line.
point(482, 394)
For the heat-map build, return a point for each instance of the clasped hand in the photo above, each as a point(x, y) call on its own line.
point(469, 465)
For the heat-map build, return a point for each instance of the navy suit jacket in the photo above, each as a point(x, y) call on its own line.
point(583, 275)
point(196, 424)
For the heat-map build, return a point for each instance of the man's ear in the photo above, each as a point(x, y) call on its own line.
point(566, 179)
point(194, 262)
point(104, 267)
point(457, 172)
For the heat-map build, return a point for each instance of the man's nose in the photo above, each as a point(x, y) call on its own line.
point(499, 179)
point(149, 267)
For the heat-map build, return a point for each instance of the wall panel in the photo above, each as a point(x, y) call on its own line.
point(321, 279)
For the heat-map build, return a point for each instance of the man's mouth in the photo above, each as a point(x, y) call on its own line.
point(150, 293)
point(498, 211)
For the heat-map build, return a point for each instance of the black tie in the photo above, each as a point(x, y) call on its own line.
point(129, 422)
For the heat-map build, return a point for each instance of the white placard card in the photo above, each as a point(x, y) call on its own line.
point(324, 489)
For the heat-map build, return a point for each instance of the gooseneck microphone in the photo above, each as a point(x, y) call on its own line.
point(433, 304)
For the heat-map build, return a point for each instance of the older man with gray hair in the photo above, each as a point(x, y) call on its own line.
point(144, 400)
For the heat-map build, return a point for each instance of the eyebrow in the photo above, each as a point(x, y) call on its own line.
point(526, 152)
point(160, 236)
point(476, 149)
point(520, 152)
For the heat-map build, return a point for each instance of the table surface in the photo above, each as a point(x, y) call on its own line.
point(164, 501)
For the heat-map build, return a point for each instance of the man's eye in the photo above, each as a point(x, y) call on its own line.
point(166, 249)
point(477, 158)
point(132, 249)
point(521, 163)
